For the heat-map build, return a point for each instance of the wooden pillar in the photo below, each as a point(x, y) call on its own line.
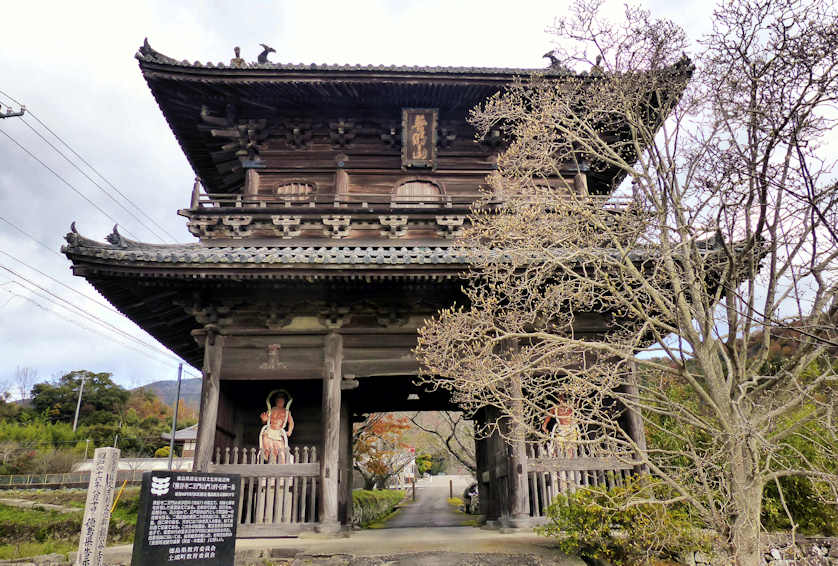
point(580, 184)
point(341, 182)
point(482, 469)
point(493, 508)
point(519, 496)
point(345, 483)
point(633, 418)
point(251, 182)
point(330, 456)
point(210, 390)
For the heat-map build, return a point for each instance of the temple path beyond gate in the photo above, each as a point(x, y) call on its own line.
point(431, 508)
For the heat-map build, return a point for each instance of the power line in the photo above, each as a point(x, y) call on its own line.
point(78, 311)
point(89, 178)
point(163, 361)
point(65, 181)
point(92, 300)
point(101, 176)
point(92, 168)
point(30, 236)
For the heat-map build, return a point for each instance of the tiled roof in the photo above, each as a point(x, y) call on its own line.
point(123, 250)
point(147, 54)
point(343, 255)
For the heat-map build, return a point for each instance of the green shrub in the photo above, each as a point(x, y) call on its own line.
point(624, 525)
point(812, 512)
point(162, 452)
point(369, 506)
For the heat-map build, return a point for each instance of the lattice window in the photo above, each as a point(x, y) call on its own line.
point(417, 192)
point(295, 191)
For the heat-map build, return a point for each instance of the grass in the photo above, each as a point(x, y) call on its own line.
point(381, 522)
point(24, 549)
point(455, 501)
point(30, 532)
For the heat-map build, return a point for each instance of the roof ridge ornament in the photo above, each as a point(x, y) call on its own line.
point(77, 240)
point(117, 239)
point(263, 56)
point(146, 53)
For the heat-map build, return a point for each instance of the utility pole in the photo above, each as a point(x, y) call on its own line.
point(78, 404)
point(11, 114)
point(174, 416)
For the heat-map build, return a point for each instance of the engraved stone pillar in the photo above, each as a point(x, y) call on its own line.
point(210, 390)
point(329, 462)
point(97, 508)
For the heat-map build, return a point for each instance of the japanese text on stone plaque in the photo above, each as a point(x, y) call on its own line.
point(190, 518)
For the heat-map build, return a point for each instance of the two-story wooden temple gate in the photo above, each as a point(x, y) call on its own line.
point(328, 202)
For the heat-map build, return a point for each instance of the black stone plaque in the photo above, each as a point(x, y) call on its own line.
point(187, 519)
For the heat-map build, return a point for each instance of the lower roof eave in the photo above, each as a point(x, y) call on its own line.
point(254, 272)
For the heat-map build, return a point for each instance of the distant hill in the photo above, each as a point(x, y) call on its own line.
point(190, 391)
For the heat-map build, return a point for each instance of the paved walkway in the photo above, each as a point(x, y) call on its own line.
point(431, 508)
point(417, 546)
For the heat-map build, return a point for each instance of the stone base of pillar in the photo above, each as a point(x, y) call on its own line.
point(516, 522)
point(329, 528)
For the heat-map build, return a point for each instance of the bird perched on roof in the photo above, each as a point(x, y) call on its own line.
point(263, 56)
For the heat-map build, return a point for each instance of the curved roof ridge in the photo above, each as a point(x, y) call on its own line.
point(146, 54)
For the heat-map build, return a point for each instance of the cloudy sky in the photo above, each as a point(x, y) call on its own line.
point(72, 65)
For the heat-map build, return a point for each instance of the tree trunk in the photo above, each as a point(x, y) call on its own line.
point(745, 530)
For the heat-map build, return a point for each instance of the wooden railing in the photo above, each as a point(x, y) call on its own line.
point(548, 476)
point(365, 201)
point(279, 492)
point(348, 200)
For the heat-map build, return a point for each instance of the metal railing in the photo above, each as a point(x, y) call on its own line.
point(80, 479)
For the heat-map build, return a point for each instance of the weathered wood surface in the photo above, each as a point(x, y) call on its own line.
point(329, 463)
point(210, 390)
point(577, 464)
point(276, 499)
point(262, 470)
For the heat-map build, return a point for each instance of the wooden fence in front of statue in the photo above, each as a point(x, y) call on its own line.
point(279, 492)
point(548, 475)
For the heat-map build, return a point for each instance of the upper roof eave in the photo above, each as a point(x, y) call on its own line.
point(152, 60)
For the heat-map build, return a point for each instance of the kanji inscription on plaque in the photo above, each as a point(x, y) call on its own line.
point(187, 519)
point(419, 127)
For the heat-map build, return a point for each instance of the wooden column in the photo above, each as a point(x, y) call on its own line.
point(210, 390)
point(330, 456)
point(345, 461)
point(580, 184)
point(251, 182)
point(633, 418)
point(519, 497)
point(482, 469)
point(493, 508)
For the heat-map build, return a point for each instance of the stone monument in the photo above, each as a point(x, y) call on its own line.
point(97, 509)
